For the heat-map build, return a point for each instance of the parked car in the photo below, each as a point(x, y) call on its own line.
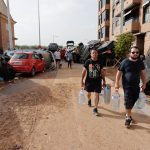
point(9, 53)
point(27, 62)
point(48, 57)
point(93, 44)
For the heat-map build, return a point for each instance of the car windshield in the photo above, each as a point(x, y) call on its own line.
point(20, 56)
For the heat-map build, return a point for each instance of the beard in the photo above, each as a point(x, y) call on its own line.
point(135, 58)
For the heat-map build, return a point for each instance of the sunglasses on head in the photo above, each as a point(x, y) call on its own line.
point(135, 52)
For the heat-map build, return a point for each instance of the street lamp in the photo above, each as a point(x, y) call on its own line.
point(9, 26)
point(39, 24)
point(54, 36)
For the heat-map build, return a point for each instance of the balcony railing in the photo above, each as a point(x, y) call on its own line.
point(132, 25)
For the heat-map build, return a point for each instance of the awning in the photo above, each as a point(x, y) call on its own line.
point(140, 33)
point(106, 46)
point(146, 3)
point(127, 13)
point(93, 42)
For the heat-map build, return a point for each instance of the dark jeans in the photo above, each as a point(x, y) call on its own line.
point(69, 63)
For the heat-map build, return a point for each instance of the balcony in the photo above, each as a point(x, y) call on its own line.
point(103, 39)
point(130, 3)
point(118, 10)
point(105, 23)
point(131, 25)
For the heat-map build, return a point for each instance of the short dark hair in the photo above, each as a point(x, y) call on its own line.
point(93, 50)
point(134, 47)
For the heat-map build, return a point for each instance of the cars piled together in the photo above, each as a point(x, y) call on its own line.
point(6, 71)
point(25, 61)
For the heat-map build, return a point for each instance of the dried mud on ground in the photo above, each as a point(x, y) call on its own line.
point(42, 113)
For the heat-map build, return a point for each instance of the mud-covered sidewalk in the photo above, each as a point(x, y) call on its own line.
point(42, 113)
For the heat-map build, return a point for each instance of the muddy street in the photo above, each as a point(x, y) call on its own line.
point(42, 113)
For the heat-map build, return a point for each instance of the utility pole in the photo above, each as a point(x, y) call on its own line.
point(39, 24)
point(9, 26)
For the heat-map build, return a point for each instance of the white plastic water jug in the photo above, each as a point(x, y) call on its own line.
point(102, 96)
point(140, 103)
point(107, 94)
point(115, 101)
point(82, 98)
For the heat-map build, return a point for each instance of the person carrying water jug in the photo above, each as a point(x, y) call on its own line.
point(131, 69)
point(94, 74)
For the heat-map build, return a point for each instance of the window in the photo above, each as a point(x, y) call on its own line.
point(145, 14)
point(20, 56)
point(107, 14)
point(99, 35)
point(117, 21)
point(113, 13)
point(107, 32)
point(35, 56)
point(113, 26)
point(102, 32)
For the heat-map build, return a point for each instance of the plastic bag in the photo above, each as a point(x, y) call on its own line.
point(82, 98)
point(115, 101)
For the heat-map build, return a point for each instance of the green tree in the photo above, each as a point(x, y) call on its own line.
point(123, 44)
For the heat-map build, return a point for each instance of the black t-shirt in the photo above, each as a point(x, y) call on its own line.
point(93, 70)
point(131, 72)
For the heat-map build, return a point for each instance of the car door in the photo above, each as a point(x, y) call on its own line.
point(38, 62)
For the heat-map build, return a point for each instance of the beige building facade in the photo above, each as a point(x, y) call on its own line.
point(123, 16)
point(4, 34)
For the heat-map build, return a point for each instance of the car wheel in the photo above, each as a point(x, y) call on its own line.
point(33, 72)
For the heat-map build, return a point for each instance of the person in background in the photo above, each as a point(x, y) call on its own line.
point(57, 56)
point(93, 74)
point(69, 57)
point(131, 69)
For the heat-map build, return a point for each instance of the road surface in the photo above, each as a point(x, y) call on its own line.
point(42, 113)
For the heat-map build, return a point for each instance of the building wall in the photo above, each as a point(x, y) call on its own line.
point(137, 27)
point(4, 35)
point(147, 42)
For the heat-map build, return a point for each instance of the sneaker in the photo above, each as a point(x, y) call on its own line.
point(133, 121)
point(95, 112)
point(128, 122)
point(89, 103)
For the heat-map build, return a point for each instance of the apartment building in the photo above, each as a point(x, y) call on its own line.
point(122, 16)
point(4, 35)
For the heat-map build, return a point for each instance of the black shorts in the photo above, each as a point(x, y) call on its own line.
point(93, 86)
point(57, 60)
point(131, 94)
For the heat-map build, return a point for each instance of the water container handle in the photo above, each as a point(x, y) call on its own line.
point(117, 90)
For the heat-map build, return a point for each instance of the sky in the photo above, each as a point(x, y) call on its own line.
point(60, 20)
